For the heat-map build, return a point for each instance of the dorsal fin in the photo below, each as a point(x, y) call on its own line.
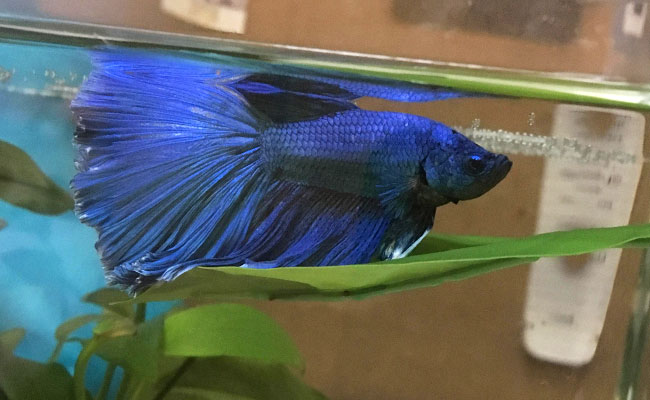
point(290, 99)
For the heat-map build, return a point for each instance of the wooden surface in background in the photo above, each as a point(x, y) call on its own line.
point(369, 26)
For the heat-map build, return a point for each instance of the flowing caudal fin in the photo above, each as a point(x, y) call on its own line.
point(171, 173)
point(168, 160)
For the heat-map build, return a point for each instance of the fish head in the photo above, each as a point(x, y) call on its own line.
point(458, 169)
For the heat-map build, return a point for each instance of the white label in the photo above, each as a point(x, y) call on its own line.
point(634, 18)
point(568, 296)
point(220, 15)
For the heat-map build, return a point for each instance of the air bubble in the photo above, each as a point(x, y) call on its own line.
point(5, 75)
point(531, 119)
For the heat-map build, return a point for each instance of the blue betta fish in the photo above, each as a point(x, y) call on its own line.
point(185, 162)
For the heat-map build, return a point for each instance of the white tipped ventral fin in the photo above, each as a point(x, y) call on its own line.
point(401, 253)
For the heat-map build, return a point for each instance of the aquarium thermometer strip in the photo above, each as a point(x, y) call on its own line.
point(503, 141)
point(567, 297)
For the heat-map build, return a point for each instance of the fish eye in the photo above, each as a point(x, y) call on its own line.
point(475, 165)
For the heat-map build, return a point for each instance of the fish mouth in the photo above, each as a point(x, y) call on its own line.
point(502, 168)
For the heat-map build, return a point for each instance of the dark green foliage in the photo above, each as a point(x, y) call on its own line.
point(24, 379)
point(23, 184)
point(220, 351)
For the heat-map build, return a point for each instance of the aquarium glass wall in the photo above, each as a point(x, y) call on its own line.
point(560, 87)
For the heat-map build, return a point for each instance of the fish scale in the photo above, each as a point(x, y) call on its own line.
point(348, 151)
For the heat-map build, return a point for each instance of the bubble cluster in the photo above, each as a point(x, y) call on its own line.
point(502, 141)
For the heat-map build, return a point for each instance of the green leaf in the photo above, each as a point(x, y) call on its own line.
point(440, 258)
point(64, 331)
point(111, 299)
point(214, 283)
point(113, 325)
point(10, 339)
point(228, 330)
point(140, 354)
point(109, 325)
point(23, 184)
point(24, 379)
point(3, 224)
point(229, 378)
point(437, 242)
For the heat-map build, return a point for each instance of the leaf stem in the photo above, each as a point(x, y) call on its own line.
point(172, 381)
point(56, 352)
point(140, 316)
point(136, 393)
point(80, 367)
point(124, 385)
point(140, 313)
point(106, 383)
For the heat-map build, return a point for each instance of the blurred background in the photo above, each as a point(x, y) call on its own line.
point(461, 340)
point(583, 36)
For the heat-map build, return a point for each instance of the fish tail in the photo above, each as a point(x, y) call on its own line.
point(169, 163)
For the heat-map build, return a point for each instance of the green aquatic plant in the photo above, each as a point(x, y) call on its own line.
point(204, 366)
point(25, 379)
point(232, 351)
point(438, 259)
point(211, 351)
point(158, 360)
point(23, 184)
